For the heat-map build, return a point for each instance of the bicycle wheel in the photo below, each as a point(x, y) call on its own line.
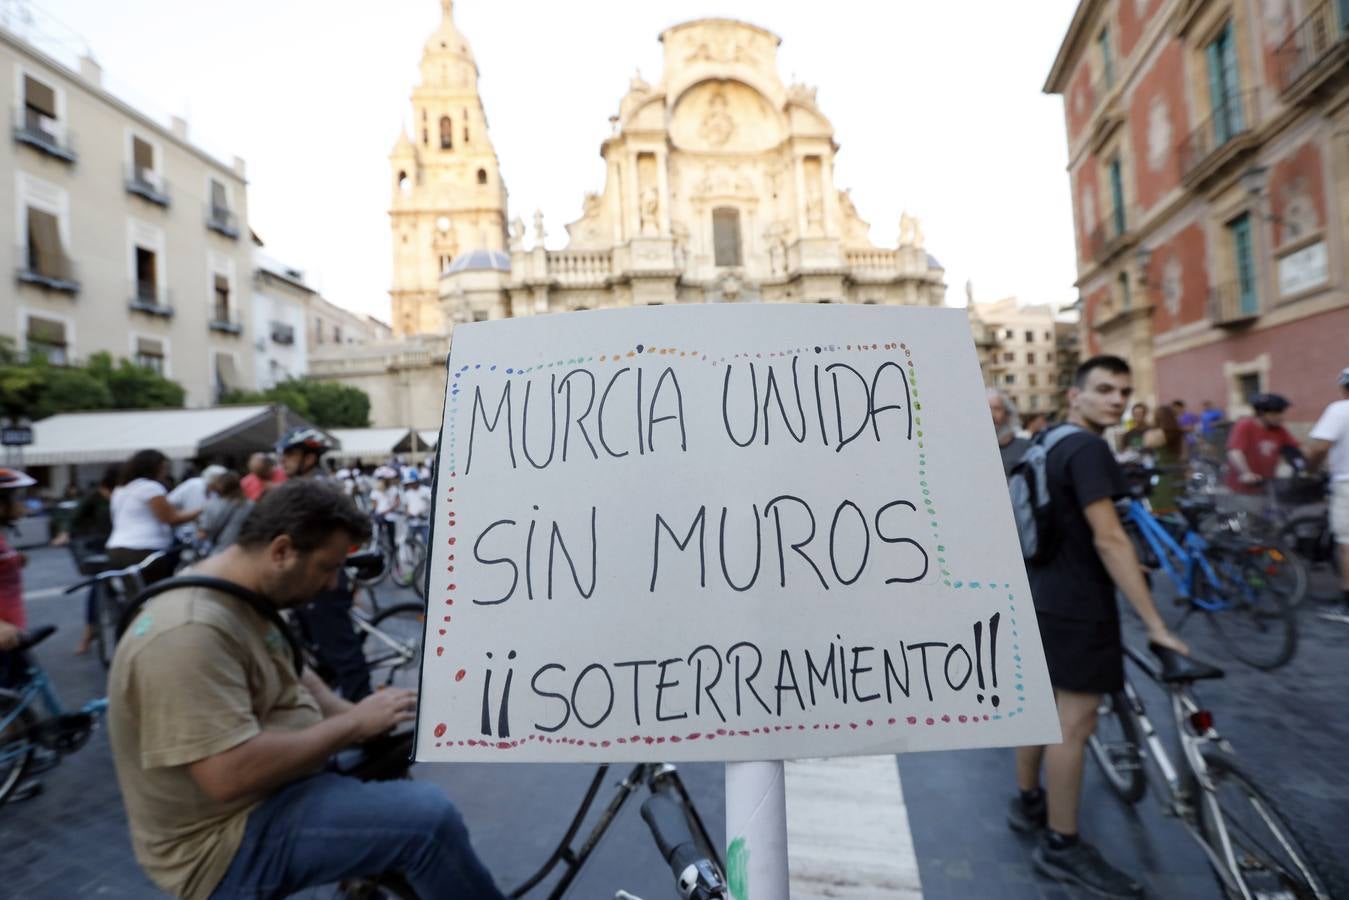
point(16, 749)
point(1258, 626)
point(406, 558)
point(1114, 745)
point(419, 576)
point(1268, 856)
point(393, 646)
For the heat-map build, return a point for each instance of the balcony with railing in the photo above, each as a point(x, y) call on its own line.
point(223, 319)
point(282, 333)
point(1315, 55)
point(44, 134)
point(581, 268)
point(1233, 304)
point(149, 298)
point(147, 184)
point(1111, 237)
point(222, 221)
point(1221, 141)
point(53, 271)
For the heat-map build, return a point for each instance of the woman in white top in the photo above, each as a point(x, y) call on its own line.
point(142, 517)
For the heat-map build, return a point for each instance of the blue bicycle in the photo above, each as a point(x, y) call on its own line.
point(32, 718)
point(1237, 583)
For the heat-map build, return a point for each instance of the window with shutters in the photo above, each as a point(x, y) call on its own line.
point(39, 122)
point(143, 174)
point(222, 308)
point(47, 257)
point(1030, 359)
point(726, 236)
point(220, 216)
point(150, 354)
point(47, 338)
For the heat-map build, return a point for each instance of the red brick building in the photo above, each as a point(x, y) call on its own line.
point(1209, 161)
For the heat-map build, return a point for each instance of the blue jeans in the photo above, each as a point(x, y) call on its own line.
point(329, 828)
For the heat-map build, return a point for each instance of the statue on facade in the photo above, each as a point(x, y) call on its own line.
point(910, 231)
point(777, 248)
point(517, 235)
point(681, 244)
point(815, 209)
point(649, 209)
point(539, 233)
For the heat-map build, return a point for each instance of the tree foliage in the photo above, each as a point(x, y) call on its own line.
point(325, 403)
point(34, 388)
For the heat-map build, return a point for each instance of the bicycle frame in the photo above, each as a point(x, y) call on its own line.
point(1176, 795)
point(38, 689)
point(1190, 555)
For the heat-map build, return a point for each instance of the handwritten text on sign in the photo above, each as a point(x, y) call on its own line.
point(723, 533)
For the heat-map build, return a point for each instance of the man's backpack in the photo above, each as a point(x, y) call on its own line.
point(1028, 485)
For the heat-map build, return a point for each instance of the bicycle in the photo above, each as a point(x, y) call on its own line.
point(32, 717)
point(408, 563)
point(112, 593)
point(669, 812)
point(1254, 850)
point(1231, 580)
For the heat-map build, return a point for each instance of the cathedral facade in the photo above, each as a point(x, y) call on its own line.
point(719, 187)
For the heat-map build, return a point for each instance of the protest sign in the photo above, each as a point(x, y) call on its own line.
point(724, 532)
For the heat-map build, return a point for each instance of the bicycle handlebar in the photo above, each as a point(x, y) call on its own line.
point(34, 637)
point(695, 876)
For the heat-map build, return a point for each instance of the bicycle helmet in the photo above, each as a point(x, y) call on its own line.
point(13, 480)
point(386, 473)
point(1343, 380)
point(306, 437)
point(410, 476)
point(1269, 403)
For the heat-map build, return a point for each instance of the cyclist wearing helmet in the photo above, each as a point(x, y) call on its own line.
point(1256, 444)
point(327, 618)
point(1330, 441)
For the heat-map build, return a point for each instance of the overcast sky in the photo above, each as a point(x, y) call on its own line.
point(937, 108)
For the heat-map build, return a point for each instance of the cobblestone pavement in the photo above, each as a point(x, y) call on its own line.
point(1289, 726)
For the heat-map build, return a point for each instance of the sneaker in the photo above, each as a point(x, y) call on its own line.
point(1335, 614)
point(1082, 866)
point(43, 760)
point(1027, 818)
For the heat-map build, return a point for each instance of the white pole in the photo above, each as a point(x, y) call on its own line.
point(756, 831)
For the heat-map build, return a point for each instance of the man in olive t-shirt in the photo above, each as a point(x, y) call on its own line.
point(220, 743)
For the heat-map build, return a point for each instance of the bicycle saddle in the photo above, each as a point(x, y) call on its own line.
point(95, 563)
point(36, 636)
point(1177, 667)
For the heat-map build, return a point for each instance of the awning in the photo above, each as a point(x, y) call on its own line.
point(371, 444)
point(107, 437)
point(429, 439)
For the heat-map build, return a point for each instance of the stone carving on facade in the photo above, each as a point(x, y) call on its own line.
point(728, 287)
point(910, 231)
point(650, 211)
point(815, 209)
point(1173, 284)
point(539, 232)
point(719, 46)
point(802, 93)
point(1159, 133)
point(718, 126)
point(517, 235)
point(1297, 210)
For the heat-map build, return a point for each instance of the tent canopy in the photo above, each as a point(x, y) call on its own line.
point(429, 439)
point(108, 437)
point(371, 443)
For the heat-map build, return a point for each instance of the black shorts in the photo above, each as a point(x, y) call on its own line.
point(1083, 657)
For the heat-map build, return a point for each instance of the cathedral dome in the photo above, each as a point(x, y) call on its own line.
point(480, 260)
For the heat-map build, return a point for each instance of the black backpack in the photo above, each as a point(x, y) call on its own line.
point(1028, 485)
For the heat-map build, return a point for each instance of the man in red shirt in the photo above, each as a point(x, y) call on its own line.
point(1256, 444)
point(263, 473)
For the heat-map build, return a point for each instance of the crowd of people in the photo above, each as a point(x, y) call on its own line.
point(221, 735)
point(1074, 589)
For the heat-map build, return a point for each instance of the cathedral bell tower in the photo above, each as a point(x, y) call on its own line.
point(448, 196)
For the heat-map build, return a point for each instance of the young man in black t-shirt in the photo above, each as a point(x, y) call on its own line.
point(1074, 595)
